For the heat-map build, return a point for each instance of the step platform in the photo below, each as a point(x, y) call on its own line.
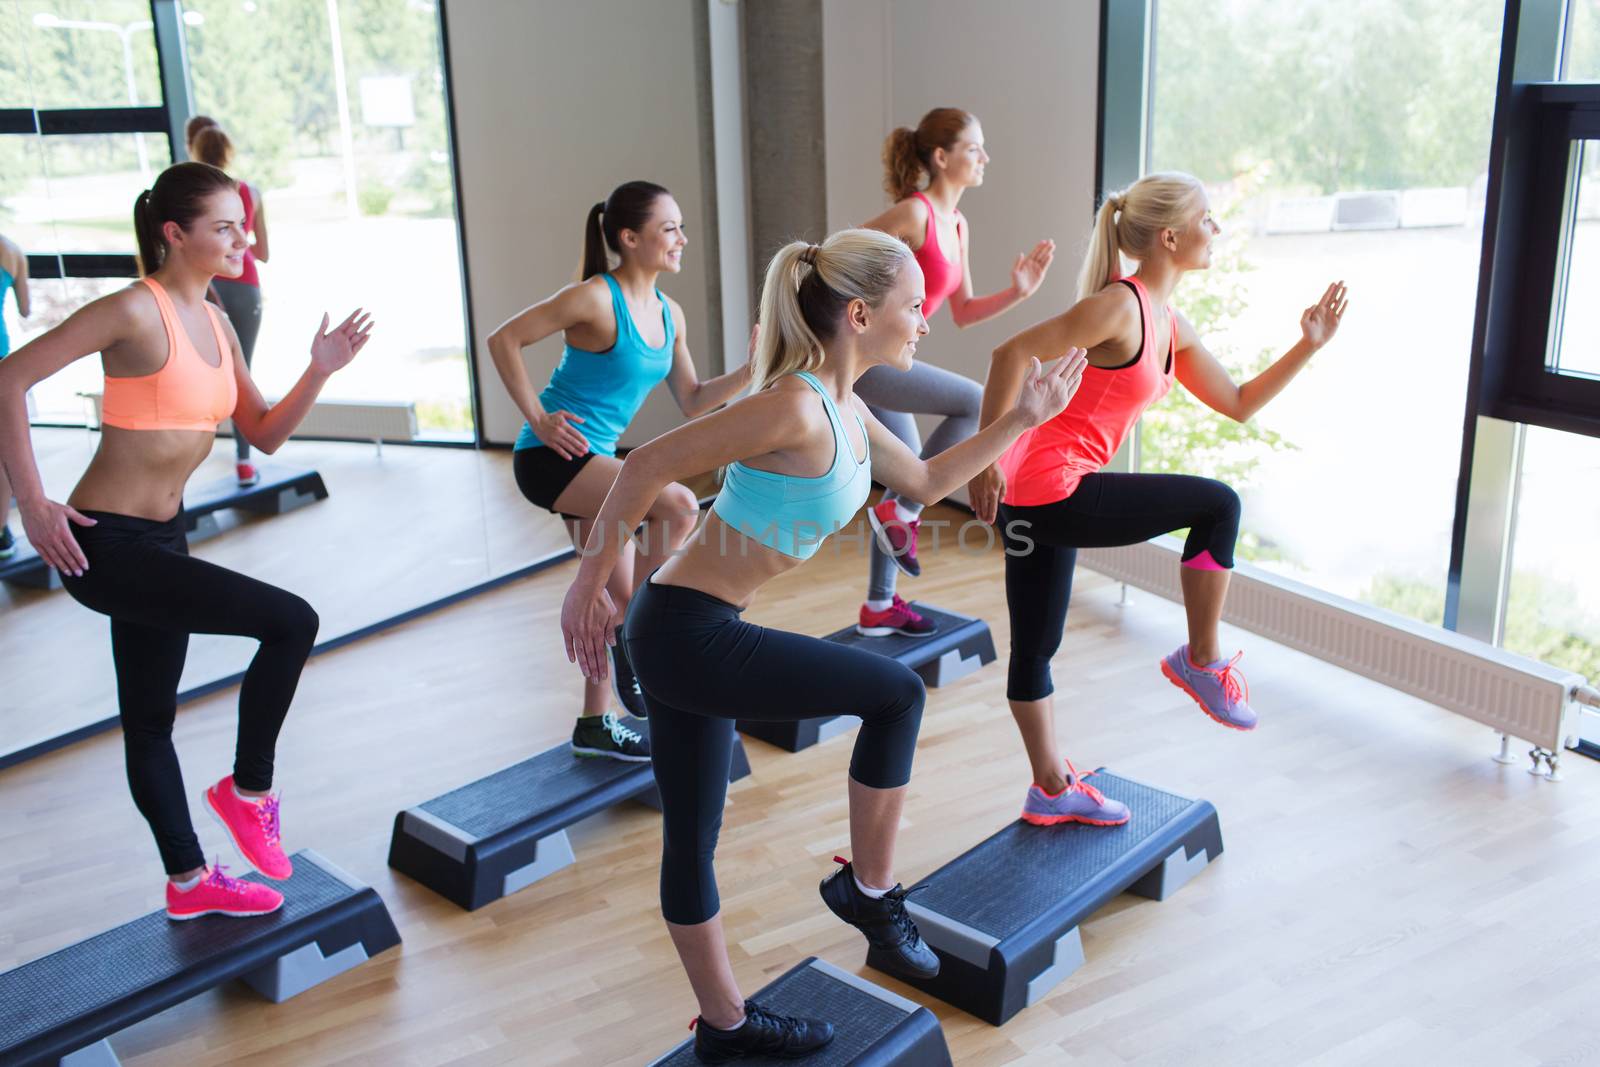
point(62, 1008)
point(1004, 916)
point(872, 1026)
point(280, 489)
point(502, 833)
point(961, 645)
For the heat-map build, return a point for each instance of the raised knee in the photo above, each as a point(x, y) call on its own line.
point(1228, 505)
point(678, 507)
point(300, 621)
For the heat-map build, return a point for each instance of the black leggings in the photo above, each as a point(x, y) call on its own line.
point(141, 574)
point(1106, 510)
point(701, 667)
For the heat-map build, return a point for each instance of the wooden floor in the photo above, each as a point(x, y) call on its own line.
point(1388, 895)
point(398, 529)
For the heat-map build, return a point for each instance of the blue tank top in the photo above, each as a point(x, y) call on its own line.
point(5, 339)
point(606, 389)
point(794, 514)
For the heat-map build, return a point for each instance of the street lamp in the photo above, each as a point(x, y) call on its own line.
point(124, 30)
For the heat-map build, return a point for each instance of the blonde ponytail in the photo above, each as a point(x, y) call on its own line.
point(806, 291)
point(1129, 222)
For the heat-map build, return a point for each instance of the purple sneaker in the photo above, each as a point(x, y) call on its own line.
point(1078, 802)
point(1218, 688)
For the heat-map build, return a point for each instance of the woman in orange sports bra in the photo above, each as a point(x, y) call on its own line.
point(173, 372)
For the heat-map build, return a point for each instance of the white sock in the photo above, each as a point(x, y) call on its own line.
point(905, 514)
point(879, 605)
point(188, 884)
point(247, 800)
point(875, 894)
point(730, 1029)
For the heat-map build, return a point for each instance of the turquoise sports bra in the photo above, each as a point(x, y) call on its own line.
point(793, 514)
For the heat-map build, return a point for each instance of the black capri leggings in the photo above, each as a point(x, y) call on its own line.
point(701, 667)
point(141, 574)
point(1106, 510)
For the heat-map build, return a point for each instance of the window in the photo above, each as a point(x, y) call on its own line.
point(360, 197)
point(1553, 607)
point(1576, 347)
point(1583, 42)
point(1336, 141)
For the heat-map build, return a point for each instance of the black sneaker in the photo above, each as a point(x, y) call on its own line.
point(605, 735)
point(764, 1033)
point(629, 695)
point(8, 544)
point(882, 921)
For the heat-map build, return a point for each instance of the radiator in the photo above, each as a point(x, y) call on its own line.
point(1514, 695)
point(339, 420)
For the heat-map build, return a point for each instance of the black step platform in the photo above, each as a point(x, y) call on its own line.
point(280, 489)
point(872, 1026)
point(502, 833)
point(1004, 916)
point(61, 1008)
point(961, 645)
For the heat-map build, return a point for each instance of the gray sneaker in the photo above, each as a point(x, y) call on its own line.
point(1218, 688)
point(1078, 802)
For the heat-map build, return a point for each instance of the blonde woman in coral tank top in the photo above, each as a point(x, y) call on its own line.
point(174, 370)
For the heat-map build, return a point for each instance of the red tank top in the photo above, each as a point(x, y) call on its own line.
point(1046, 463)
point(248, 275)
point(941, 276)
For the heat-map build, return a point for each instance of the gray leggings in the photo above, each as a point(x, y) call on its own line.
point(243, 306)
point(895, 397)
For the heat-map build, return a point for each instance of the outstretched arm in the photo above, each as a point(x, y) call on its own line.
point(1040, 396)
point(1027, 273)
point(266, 426)
point(1205, 377)
point(696, 397)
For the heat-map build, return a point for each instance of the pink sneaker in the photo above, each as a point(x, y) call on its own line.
point(897, 618)
point(217, 894)
point(253, 825)
point(897, 538)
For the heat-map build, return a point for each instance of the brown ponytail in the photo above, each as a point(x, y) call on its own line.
point(178, 195)
point(212, 145)
point(908, 153)
point(627, 208)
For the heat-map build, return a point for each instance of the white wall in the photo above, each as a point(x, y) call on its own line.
point(1029, 69)
point(556, 103)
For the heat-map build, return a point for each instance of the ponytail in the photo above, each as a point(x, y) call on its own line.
point(806, 291)
point(627, 208)
point(1129, 222)
point(908, 153)
point(178, 195)
point(594, 245)
point(902, 170)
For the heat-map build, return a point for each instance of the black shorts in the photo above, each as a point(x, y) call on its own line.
point(542, 475)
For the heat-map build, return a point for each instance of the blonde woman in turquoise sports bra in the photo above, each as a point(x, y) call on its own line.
point(801, 452)
point(13, 276)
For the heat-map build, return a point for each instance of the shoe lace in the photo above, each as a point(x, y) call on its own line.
point(619, 733)
point(1084, 787)
point(223, 882)
point(787, 1027)
point(903, 923)
point(1233, 684)
point(267, 815)
point(900, 605)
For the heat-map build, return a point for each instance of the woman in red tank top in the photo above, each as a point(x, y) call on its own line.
point(239, 297)
point(1052, 498)
point(945, 150)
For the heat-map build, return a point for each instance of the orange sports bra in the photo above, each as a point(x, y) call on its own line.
point(187, 393)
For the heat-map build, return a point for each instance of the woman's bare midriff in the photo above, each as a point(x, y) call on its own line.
point(724, 563)
point(141, 472)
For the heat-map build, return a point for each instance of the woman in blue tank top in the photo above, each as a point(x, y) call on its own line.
point(800, 453)
point(13, 276)
point(623, 337)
